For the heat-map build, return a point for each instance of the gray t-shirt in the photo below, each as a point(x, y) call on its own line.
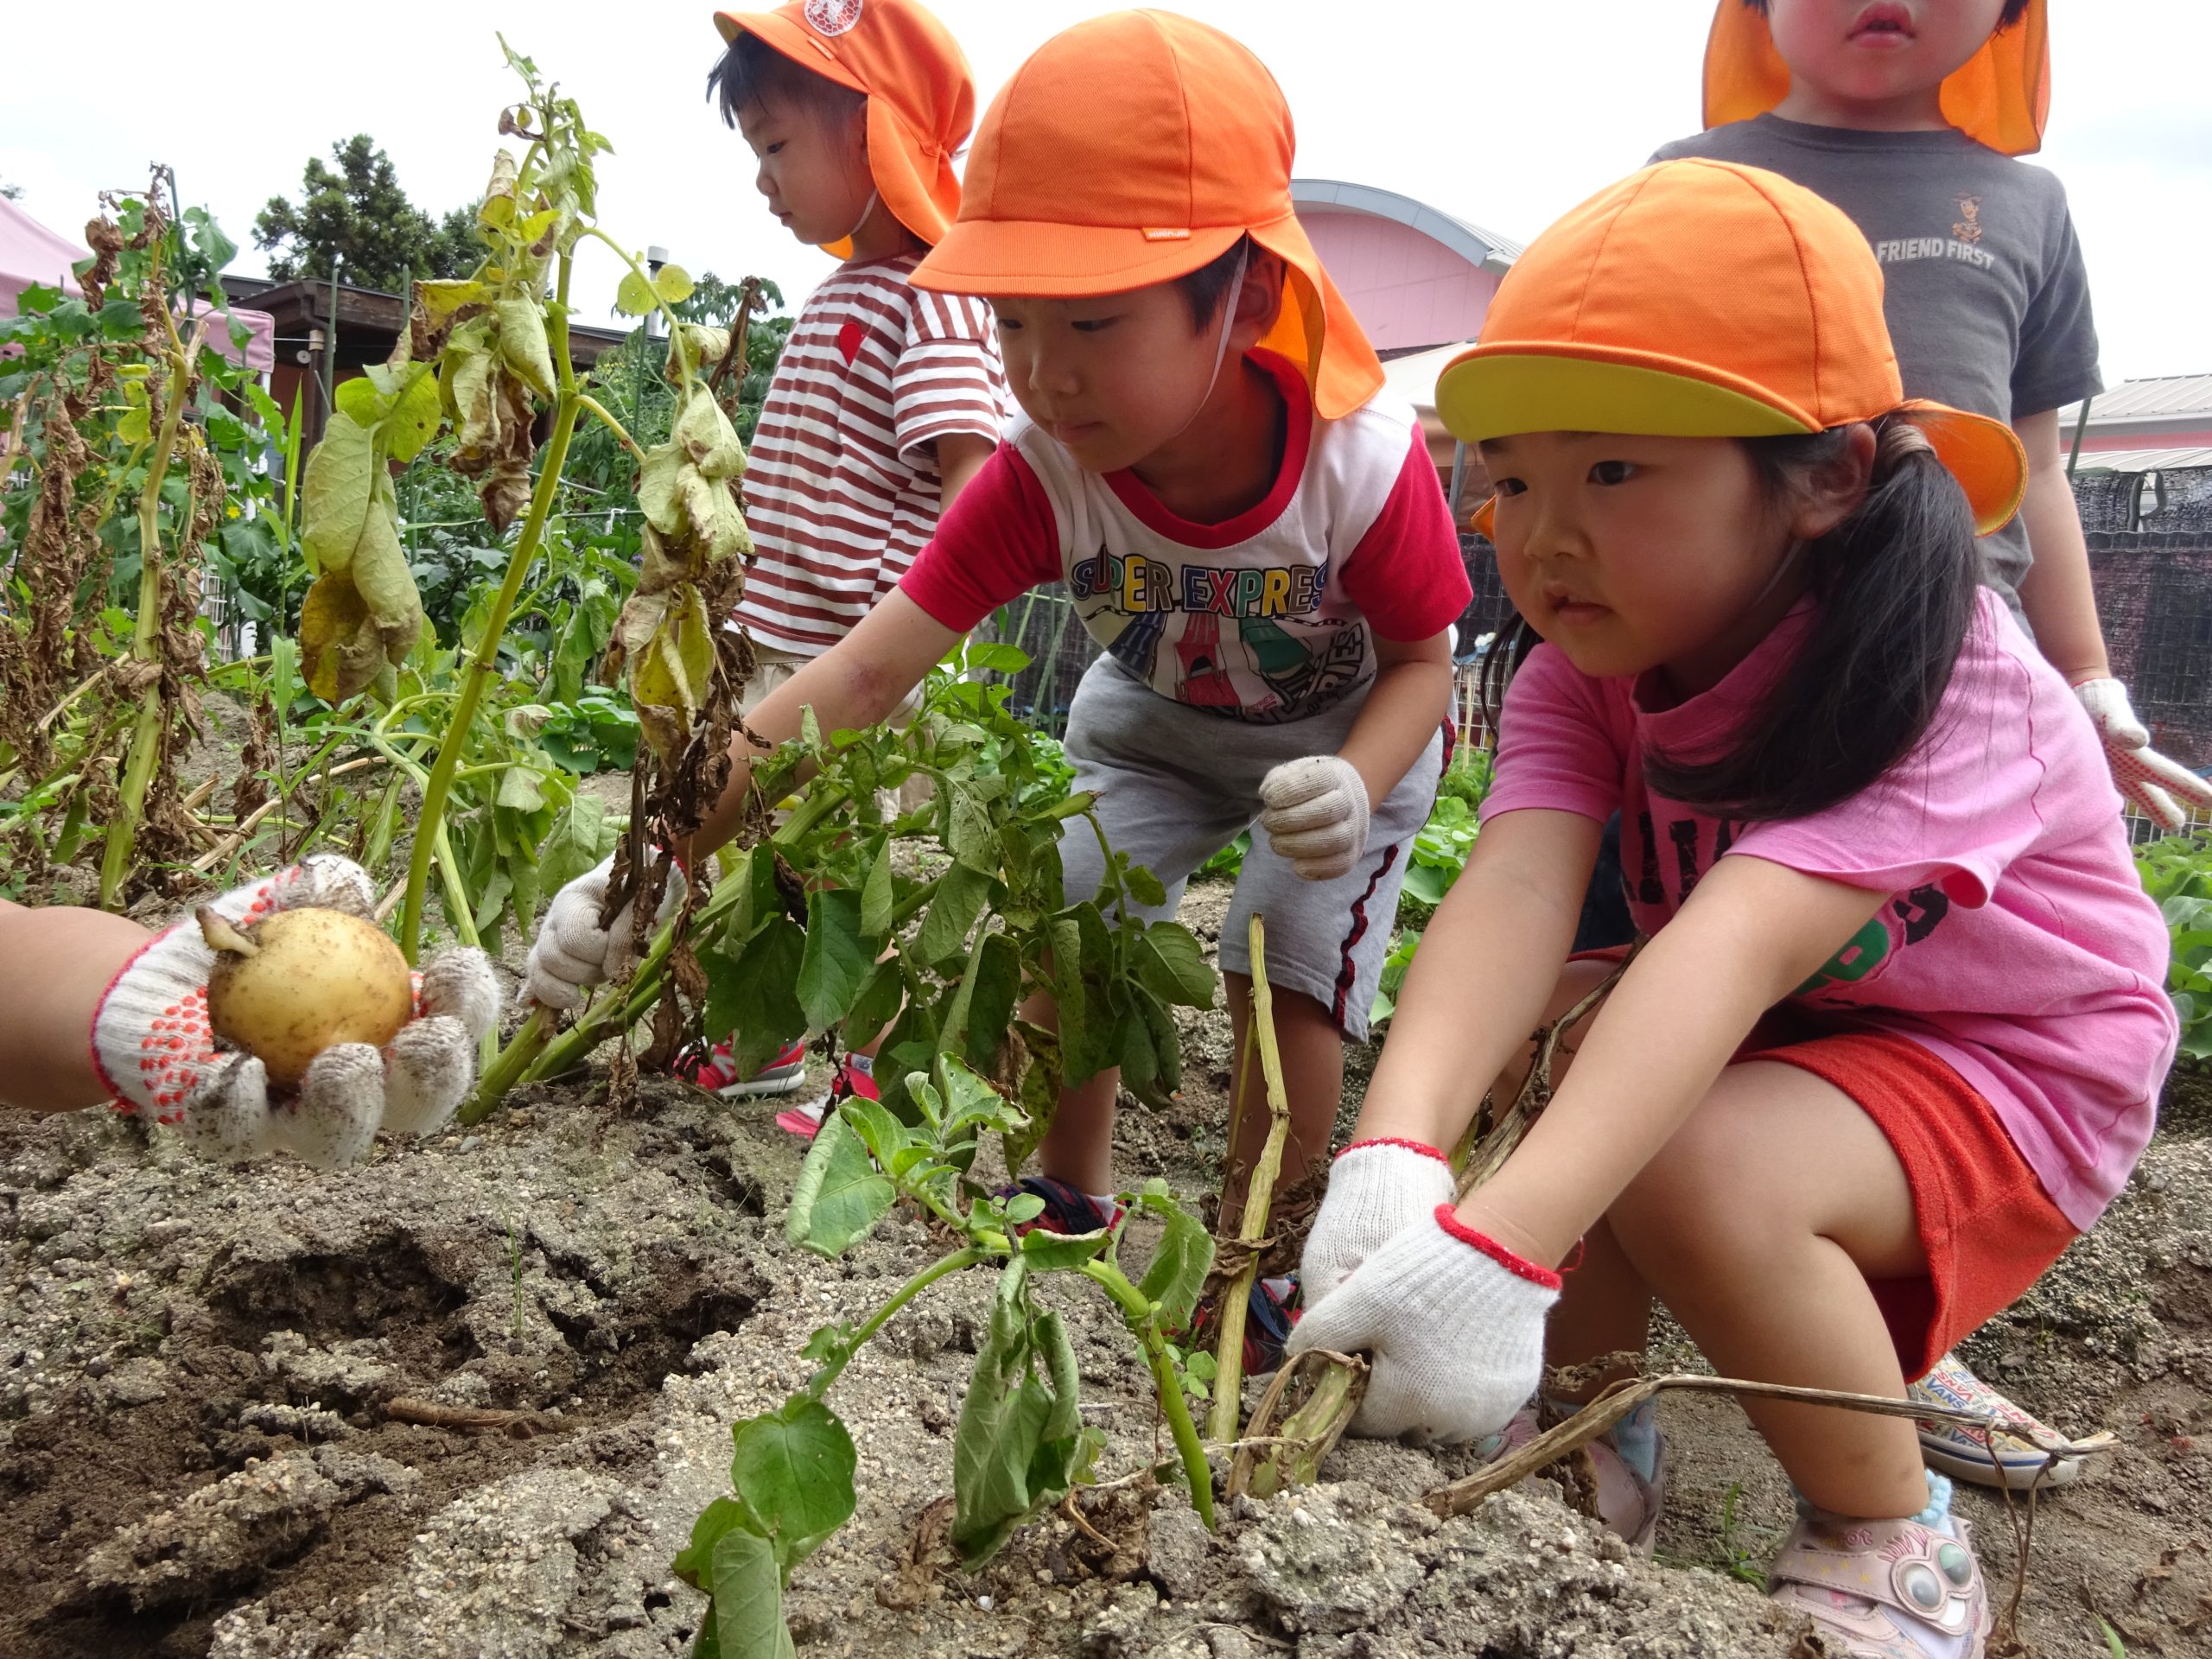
point(1987, 298)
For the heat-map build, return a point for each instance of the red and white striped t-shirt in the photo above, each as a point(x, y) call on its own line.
point(841, 489)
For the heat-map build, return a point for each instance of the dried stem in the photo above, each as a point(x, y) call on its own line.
point(1259, 1198)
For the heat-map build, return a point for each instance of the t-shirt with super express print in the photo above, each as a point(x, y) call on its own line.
point(1269, 616)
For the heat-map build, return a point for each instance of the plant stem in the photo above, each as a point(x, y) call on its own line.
point(586, 401)
point(146, 735)
point(1259, 1198)
point(1144, 1324)
point(819, 1385)
point(440, 842)
point(485, 663)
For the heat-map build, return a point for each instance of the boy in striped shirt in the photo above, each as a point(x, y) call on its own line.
point(888, 399)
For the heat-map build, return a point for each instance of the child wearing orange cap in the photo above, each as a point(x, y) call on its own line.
point(887, 400)
point(1898, 1033)
point(1256, 538)
point(1909, 115)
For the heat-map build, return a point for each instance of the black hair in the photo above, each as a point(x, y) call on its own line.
point(2013, 11)
point(752, 72)
point(1205, 289)
point(1893, 586)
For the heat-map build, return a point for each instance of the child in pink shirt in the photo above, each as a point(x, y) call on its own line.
point(1898, 1032)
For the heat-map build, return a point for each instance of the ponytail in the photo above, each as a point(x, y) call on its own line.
point(1893, 590)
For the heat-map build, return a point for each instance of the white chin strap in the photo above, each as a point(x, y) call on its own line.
point(873, 196)
point(1234, 292)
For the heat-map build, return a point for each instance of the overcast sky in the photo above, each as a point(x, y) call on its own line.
point(1505, 115)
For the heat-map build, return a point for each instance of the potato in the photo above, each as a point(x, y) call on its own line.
point(299, 981)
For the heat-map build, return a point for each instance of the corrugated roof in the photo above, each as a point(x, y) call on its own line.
point(2162, 397)
point(2142, 460)
point(1472, 242)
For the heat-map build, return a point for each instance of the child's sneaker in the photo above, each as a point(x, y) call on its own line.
point(1956, 1449)
point(1269, 1317)
point(855, 1080)
point(717, 1072)
point(1629, 1462)
point(1067, 1210)
point(1885, 1589)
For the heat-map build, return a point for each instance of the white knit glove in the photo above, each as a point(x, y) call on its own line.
point(2146, 778)
point(1315, 813)
point(572, 952)
point(1452, 1324)
point(151, 1041)
point(1377, 1190)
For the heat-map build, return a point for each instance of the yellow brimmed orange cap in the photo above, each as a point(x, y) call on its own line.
point(1132, 149)
point(921, 98)
point(1999, 97)
point(1698, 299)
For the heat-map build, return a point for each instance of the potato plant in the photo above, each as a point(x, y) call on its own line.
point(139, 472)
point(818, 931)
point(1020, 1445)
point(484, 355)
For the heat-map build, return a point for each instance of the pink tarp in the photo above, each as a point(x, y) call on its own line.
point(31, 253)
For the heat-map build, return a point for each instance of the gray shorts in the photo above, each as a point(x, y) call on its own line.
point(1174, 787)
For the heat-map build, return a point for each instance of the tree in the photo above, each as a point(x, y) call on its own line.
point(360, 221)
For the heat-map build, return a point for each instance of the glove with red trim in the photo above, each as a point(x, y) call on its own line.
point(2164, 790)
point(1377, 1190)
point(1452, 1324)
point(152, 1047)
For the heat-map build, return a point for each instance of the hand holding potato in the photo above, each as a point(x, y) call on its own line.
point(310, 999)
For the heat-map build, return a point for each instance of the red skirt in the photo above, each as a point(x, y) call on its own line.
point(1988, 1229)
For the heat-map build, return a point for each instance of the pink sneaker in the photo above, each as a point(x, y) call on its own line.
point(1885, 1589)
point(855, 1076)
point(717, 1073)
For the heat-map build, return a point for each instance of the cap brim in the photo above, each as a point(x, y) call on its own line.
point(788, 38)
point(1495, 391)
point(1984, 454)
point(1040, 260)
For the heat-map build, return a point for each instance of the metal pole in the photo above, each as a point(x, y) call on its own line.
point(330, 344)
point(2081, 425)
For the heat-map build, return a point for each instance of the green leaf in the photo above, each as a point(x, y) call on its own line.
point(961, 895)
point(793, 1468)
point(415, 415)
point(877, 894)
point(1178, 1270)
point(1145, 887)
point(1170, 963)
point(659, 494)
point(969, 835)
point(976, 1025)
point(876, 1004)
point(884, 1136)
point(672, 283)
point(360, 400)
point(1004, 1461)
point(837, 958)
point(633, 295)
point(694, 1564)
point(705, 435)
point(337, 497)
point(753, 998)
point(748, 1591)
point(519, 788)
point(522, 344)
point(1061, 1252)
point(840, 1195)
point(1058, 1353)
point(970, 1102)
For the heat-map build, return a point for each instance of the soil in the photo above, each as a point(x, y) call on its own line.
point(467, 1399)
